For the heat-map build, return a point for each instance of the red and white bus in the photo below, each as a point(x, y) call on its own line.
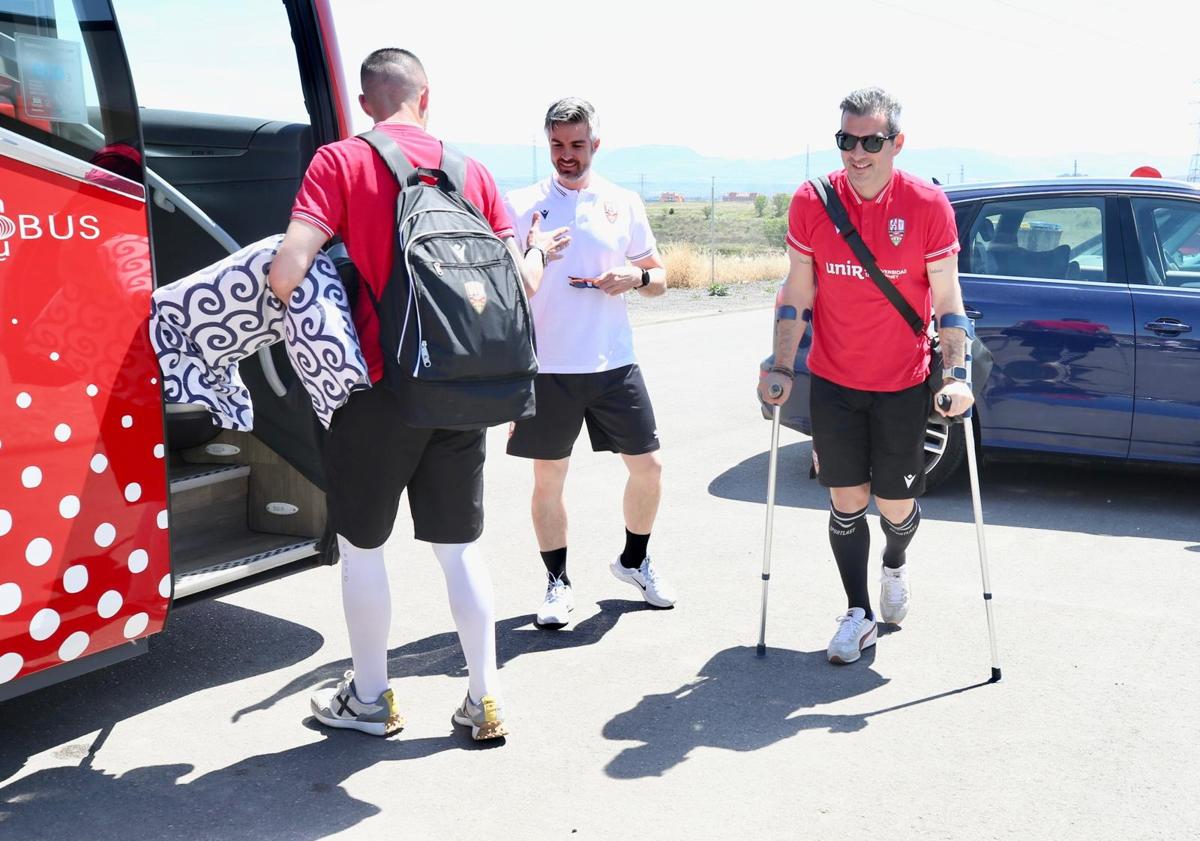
point(115, 508)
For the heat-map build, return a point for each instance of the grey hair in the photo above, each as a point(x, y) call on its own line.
point(572, 110)
point(868, 102)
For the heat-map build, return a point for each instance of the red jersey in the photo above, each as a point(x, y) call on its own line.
point(859, 340)
point(349, 192)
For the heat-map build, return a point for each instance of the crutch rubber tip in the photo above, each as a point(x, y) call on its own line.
point(995, 676)
point(761, 651)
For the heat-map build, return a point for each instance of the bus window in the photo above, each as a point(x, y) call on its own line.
point(63, 83)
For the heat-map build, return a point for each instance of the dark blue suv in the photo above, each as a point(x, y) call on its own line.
point(1087, 292)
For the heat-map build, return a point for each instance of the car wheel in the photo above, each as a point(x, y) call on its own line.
point(945, 449)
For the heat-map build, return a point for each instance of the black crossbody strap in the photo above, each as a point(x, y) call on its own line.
point(841, 221)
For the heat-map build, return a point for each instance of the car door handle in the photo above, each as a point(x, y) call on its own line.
point(1168, 326)
point(972, 313)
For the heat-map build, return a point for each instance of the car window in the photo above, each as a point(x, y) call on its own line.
point(1045, 239)
point(1169, 239)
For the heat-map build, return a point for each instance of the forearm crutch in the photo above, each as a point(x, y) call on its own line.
point(773, 459)
point(973, 470)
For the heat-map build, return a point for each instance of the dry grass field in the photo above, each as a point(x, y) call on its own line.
point(746, 247)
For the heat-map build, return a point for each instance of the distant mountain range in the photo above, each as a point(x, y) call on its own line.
point(683, 170)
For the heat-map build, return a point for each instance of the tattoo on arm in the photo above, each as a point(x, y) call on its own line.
point(953, 341)
point(807, 261)
point(788, 334)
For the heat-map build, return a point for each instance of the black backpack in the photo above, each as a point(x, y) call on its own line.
point(454, 322)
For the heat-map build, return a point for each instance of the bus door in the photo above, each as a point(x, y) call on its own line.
point(84, 557)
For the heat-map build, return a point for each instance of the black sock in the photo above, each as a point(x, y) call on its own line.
point(850, 537)
point(899, 536)
point(556, 564)
point(635, 549)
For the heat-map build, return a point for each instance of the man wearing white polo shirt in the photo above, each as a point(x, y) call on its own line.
point(587, 371)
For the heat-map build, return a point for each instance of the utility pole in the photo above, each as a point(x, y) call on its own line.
point(1193, 174)
point(712, 233)
point(1075, 170)
point(643, 190)
point(962, 173)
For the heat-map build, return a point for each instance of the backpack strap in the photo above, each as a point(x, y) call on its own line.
point(454, 167)
point(841, 220)
point(392, 155)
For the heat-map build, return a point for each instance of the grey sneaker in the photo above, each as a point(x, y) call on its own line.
point(340, 707)
point(486, 719)
point(894, 594)
point(649, 581)
point(855, 632)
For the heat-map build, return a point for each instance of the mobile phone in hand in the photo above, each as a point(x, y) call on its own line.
point(581, 283)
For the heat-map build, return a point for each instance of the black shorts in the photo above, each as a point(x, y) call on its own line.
point(870, 436)
point(615, 405)
point(370, 458)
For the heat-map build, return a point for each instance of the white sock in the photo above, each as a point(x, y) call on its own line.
point(367, 603)
point(469, 587)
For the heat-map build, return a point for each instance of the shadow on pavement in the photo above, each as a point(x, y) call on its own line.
point(1114, 501)
point(741, 702)
point(293, 794)
point(205, 645)
point(441, 654)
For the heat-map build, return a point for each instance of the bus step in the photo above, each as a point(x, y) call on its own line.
point(208, 566)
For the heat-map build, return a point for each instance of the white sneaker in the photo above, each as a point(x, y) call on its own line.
point(557, 606)
point(855, 632)
point(893, 594)
point(649, 581)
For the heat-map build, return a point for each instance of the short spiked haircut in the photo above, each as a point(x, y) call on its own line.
point(867, 102)
point(573, 110)
point(398, 71)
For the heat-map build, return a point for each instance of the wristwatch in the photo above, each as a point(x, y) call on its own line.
point(957, 373)
point(645, 278)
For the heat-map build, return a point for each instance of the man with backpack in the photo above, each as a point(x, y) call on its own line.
point(869, 397)
point(373, 452)
point(587, 371)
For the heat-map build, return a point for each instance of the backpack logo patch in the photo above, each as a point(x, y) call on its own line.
point(460, 249)
point(476, 295)
point(896, 231)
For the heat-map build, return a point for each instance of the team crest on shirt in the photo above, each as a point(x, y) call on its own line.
point(610, 212)
point(545, 211)
point(896, 231)
point(476, 295)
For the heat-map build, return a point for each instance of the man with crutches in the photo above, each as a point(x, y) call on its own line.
point(869, 398)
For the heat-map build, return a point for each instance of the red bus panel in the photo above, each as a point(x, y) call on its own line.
point(84, 553)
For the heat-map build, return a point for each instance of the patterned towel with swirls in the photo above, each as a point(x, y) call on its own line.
point(203, 325)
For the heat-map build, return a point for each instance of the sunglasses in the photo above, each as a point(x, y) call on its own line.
point(871, 143)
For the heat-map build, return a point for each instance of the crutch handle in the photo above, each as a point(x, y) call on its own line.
point(944, 401)
point(774, 390)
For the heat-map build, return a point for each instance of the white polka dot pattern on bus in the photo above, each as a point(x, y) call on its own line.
point(82, 543)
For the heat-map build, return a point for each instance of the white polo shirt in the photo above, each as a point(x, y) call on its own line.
point(582, 331)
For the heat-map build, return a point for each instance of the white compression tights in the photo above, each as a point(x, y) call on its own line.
point(367, 603)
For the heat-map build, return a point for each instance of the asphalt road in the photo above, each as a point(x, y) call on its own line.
point(637, 723)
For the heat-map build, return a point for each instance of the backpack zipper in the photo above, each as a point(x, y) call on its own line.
point(423, 358)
